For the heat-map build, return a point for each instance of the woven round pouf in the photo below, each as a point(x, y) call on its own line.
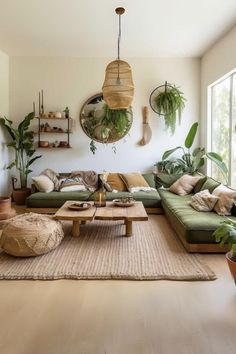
point(30, 235)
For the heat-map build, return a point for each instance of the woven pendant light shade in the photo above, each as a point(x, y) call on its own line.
point(118, 87)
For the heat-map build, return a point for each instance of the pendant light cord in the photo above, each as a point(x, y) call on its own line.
point(119, 37)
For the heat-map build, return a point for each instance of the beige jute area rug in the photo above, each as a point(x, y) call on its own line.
point(101, 252)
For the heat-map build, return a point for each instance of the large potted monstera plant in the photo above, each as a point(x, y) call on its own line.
point(226, 233)
point(23, 145)
point(191, 160)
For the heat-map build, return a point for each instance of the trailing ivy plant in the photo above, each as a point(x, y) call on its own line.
point(170, 103)
point(190, 161)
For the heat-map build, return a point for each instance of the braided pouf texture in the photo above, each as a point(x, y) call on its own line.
point(30, 235)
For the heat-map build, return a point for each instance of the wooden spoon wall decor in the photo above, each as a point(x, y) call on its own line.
point(147, 133)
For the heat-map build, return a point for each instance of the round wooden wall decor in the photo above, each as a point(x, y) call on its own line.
point(102, 124)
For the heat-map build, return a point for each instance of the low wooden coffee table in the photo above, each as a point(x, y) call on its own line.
point(75, 216)
point(135, 212)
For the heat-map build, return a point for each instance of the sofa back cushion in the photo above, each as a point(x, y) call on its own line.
point(198, 187)
point(165, 180)
point(210, 184)
point(150, 179)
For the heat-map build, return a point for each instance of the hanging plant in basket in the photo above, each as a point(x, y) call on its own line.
point(168, 101)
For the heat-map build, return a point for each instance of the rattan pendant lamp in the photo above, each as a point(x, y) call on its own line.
point(118, 87)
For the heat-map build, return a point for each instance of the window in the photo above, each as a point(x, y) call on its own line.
point(223, 125)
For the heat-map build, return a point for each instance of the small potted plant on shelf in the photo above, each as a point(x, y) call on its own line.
point(23, 144)
point(67, 112)
point(226, 233)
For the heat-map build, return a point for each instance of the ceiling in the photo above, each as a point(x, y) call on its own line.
point(88, 28)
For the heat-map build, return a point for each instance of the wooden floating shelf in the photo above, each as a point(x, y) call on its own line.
point(63, 132)
point(54, 148)
point(46, 118)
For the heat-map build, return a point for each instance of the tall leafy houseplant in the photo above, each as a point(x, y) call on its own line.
point(170, 103)
point(191, 161)
point(23, 144)
point(226, 233)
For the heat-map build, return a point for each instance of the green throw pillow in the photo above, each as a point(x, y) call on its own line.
point(165, 180)
point(199, 184)
point(150, 179)
point(210, 184)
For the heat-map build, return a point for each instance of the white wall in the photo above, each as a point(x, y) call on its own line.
point(70, 81)
point(4, 110)
point(215, 63)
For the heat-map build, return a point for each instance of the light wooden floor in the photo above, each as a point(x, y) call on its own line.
point(120, 317)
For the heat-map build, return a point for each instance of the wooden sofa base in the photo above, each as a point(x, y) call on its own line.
point(202, 247)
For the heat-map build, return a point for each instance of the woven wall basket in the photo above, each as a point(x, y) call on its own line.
point(118, 96)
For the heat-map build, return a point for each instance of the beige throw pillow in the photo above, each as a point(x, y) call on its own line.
point(203, 201)
point(135, 182)
point(43, 183)
point(226, 200)
point(184, 185)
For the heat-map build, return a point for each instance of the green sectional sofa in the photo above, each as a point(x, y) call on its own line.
point(46, 202)
point(195, 229)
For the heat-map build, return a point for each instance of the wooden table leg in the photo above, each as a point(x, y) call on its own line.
point(76, 228)
point(129, 229)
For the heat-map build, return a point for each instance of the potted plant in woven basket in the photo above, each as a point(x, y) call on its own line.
point(168, 101)
point(23, 145)
point(226, 233)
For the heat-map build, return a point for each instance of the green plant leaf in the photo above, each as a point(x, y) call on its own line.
point(32, 160)
point(10, 166)
point(217, 159)
point(191, 136)
point(170, 152)
point(8, 127)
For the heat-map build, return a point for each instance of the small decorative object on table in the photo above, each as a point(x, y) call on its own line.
point(100, 196)
point(124, 202)
point(79, 206)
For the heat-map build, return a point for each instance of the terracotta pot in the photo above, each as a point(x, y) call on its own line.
point(20, 195)
point(6, 212)
point(5, 204)
point(232, 265)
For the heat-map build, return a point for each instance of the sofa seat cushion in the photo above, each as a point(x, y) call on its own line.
point(57, 199)
point(149, 199)
point(195, 226)
point(54, 199)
